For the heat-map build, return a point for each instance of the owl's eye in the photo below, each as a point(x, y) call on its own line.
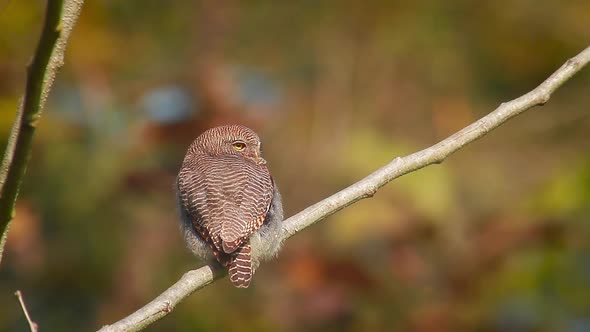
point(239, 146)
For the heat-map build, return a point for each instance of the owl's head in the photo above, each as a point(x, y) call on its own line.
point(229, 140)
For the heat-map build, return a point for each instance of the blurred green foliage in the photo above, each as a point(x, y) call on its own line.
point(494, 239)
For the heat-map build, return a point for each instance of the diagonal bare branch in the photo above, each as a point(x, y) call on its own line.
point(199, 278)
point(32, 325)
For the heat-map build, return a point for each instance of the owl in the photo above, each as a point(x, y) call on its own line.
point(230, 207)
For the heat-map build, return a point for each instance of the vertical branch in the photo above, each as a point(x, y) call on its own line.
point(60, 18)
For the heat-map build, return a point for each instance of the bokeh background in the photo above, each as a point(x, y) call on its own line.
point(497, 238)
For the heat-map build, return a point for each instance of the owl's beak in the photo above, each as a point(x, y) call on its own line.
point(259, 159)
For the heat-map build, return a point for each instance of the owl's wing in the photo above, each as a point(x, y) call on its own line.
point(192, 190)
point(226, 197)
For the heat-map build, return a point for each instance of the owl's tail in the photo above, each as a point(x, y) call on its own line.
point(240, 266)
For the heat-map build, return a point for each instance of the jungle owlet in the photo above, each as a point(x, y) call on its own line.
point(230, 207)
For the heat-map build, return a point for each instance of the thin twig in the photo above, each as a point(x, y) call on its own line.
point(367, 187)
point(32, 325)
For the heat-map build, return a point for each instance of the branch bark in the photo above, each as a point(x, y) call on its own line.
point(60, 18)
point(367, 187)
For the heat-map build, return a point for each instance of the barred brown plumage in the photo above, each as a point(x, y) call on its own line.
point(230, 206)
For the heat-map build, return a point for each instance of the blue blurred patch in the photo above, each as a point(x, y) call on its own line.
point(167, 105)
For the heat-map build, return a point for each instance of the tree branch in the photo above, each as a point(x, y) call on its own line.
point(60, 18)
point(197, 279)
point(32, 325)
